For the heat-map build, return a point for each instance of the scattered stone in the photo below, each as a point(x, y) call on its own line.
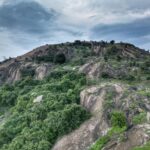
point(38, 99)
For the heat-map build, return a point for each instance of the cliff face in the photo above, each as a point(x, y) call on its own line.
point(117, 82)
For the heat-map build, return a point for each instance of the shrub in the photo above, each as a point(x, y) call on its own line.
point(118, 119)
point(113, 51)
point(8, 98)
point(140, 118)
point(112, 42)
point(148, 78)
point(100, 143)
point(45, 58)
point(38, 125)
point(106, 58)
point(105, 75)
point(144, 147)
point(28, 71)
point(130, 78)
point(60, 58)
point(119, 58)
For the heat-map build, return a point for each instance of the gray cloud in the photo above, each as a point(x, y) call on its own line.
point(26, 16)
point(133, 29)
point(137, 31)
point(27, 24)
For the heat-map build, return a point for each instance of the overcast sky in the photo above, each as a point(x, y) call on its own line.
point(26, 24)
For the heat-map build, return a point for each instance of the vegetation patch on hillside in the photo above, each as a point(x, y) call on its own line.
point(36, 125)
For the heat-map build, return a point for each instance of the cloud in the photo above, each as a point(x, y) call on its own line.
point(136, 28)
point(26, 16)
point(136, 32)
point(27, 24)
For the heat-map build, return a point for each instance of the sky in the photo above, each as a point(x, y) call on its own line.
point(27, 24)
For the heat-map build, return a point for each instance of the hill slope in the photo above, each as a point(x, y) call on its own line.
point(76, 96)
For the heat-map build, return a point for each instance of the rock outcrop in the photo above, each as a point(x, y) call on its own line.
point(97, 60)
point(136, 136)
point(92, 99)
point(42, 59)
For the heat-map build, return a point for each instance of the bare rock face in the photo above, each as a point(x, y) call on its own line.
point(42, 71)
point(92, 70)
point(95, 70)
point(38, 99)
point(83, 137)
point(11, 71)
point(92, 99)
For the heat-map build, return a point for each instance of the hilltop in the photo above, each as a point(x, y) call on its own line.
point(84, 95)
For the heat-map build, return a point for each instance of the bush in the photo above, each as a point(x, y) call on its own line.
point(144, 147)
point(113, 51)
point(105, 75)
point(148, 78)
point(7, 98)
point(60, 58)
point(140, 118)
point(100, 143)
point(118, 119)
point(38, 125)
point(45, 58)
point(130, 78)
point(28, 71)
point(112, 42)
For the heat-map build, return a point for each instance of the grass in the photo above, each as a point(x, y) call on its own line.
point(101, 142)
point(145, 147)
point(140, 118)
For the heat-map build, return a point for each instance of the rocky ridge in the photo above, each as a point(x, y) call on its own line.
point(118, 80)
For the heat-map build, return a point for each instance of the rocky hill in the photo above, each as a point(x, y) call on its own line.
point(84, 95)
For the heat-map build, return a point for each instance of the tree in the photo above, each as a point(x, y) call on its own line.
point(112, 42)
point(60, 58)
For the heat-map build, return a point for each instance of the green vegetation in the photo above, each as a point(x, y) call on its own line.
point(48, 58)
point(31, 125)
point(145, 147)
point(109, 103)
point(100, 143)
point(118, 119)
point(37, 125)
point(140, 118)
point(60, 58)
point(28, 71)
point(118, 122)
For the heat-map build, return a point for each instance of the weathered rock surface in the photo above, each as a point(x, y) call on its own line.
point(81, 139)
point(96, 70)
point(38, 99)
point(10, 68)
point(42, 71)
point(92, 99)
point(134, 137)
point(95, 65)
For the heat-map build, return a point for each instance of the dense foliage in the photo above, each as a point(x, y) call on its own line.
point(118, 119)
point(37, 125)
